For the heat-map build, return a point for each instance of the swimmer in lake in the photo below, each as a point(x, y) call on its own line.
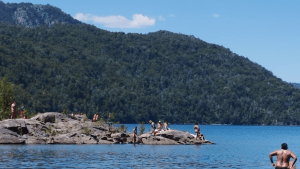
point(283, 158)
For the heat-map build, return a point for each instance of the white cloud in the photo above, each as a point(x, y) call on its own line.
point(118, 21)
point(215, 15)
point(161, 18)
point(172, 15)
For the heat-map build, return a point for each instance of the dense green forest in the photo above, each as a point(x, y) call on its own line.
point(137, 77)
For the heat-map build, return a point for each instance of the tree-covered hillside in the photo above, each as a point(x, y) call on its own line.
point(137, 77)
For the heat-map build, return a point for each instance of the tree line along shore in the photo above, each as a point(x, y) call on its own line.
point(137, 77)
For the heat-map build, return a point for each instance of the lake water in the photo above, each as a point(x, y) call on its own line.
point(235, 147)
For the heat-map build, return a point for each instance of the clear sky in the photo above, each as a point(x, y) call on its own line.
point(265, 31)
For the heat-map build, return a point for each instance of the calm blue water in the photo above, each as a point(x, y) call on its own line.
point(236, 147)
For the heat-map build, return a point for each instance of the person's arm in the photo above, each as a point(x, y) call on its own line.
point(271, 157)
point(294, 159)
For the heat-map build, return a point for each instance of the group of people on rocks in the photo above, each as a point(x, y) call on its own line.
point(165, 127)
point(72, 114)
point(159, 128)
point(13, 111)
point(95, 117)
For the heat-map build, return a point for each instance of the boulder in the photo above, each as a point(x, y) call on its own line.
point(62, 139)
point(158, 140)
point(170, 137)
point(10, 137)
point(36, 140)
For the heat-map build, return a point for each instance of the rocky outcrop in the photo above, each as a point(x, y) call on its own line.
point(171, 137)
point(58, 128)
point(30, 15)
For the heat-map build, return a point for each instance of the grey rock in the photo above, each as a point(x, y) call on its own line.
point(63, 139)
point(57, 128)
point(36, 140)
point(158, 140)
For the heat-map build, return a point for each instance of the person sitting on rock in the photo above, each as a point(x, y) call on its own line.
point(159, 126)
point(197, 130)
point(166, 126)
point(134, 135)
point(152, 127)
point(202, 137)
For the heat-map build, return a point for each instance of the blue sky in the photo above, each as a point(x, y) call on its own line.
point(267, 32)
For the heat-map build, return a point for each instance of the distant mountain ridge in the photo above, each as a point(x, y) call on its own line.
point(296, 85)
point(30, 15)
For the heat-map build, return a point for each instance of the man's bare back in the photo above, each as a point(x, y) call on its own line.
point(283, 157)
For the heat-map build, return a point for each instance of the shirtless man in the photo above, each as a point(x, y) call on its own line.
point(134, 134)
point(152, 127)
point(13, 110)
point(283, 158)
point(197, 130)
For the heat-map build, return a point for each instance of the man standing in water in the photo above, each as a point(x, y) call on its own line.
point(134, 134)
point(283, 158)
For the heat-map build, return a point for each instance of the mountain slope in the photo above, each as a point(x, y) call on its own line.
point(29, 15)
point(158, 76)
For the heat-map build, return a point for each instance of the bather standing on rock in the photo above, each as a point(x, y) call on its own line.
point(21, 111)
point(13, 110)
point(94, 117)
point(283, 158)
point(134, 135)
point(197, 130)
point(152, 127)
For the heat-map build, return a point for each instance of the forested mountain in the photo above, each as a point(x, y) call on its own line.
point(158, 76)
point(137, 77)
point(296, 85)
point(29, 15)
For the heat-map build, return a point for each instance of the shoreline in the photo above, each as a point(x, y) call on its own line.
point(58, 128)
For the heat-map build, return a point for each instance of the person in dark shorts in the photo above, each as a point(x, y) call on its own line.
point(21, 111)
point(283, 158)
point(134, 134)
